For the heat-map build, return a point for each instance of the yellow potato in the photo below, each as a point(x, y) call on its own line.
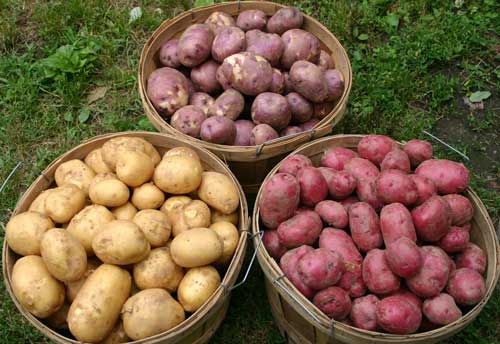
point(108, 191)
point(95, 162)
point(72, 288)
point(38, 204)
point(74, 172)
point(114, 147)
point(182, 151)
point(178, 174)
point(97, 306)
point(196, 247)
point(58, 319)
point(24, 232)
point(173, 204)
point(124, 212)
point(63, 255)
point(218, 216)
point(195, 214)
point(87, 223)
point(147, 196)
point(35, 288)
point(155, 226)
point(134, 168)
point(197, 286)
point(120, 242)
point(158, 270)
point(218, 191)
point(117, 335)
point(230, 237)
point(64, 202)
point(150, 312)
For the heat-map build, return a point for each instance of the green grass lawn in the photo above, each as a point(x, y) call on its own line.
point(413, 63)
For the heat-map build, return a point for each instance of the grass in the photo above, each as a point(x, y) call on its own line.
point(413, 63)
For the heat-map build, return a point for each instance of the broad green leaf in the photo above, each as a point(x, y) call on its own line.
point(68, 116)
point(84, 115)
point(479, 96)
point(135, 13)
point(392, 19)
point(363, 37)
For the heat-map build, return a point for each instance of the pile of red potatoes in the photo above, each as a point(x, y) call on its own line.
point(377, 238)
point(244, 82)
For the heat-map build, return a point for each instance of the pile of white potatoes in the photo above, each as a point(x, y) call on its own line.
point(127, 242)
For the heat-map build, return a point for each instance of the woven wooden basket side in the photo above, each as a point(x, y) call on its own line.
point(202, 324)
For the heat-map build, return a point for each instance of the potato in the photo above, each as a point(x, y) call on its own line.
point(38, 204)
point(279, 199)
point(454, 241)
point(337, 157)
point(229, 235)
point(339, 241)
point(432, 219)
point(425, 188)
point(219, 191)
point(364, 312)
point(188, 120)
point(431, 279)
point(196, 247)
point(396, 222)
point(396, 160)
point(332, 213)
point(218, 21)
point(218, 129)
point(288, 264)
point(325, 61)
point(261, 134)
point(418, 151)
point(335, 83)
point(202, 101)
point(302, 229)
point(466, 286)
point(24, 232)
point(376, 147)
point(408, 296)
point(182, 151)
point(95, 161)
point(124, 212)
point(217, 216)
point(197, 286)
point(114, 147)
point(348, 202)
point(472, 257)
point(120, 242)
point(168, 54)
point(35, 289)
point(117, 335)
point(396, 315)
point(302, 46)
point(309, 81)
point(158, 270)
point(461, 209)
point(228, 41)
point(74, 172)
point(229, 104)
point(287, 82)
point(449, 176)
point(361, 169)
point(155, 226)
point(293, 163)
point(243, 132)
point(377, 273)
point(366, 191)
point(195, 45)
point(285, 19)
point(58, 319)
point(321, 110)
point(341, 184)
point(313, 187)
point(300, 108)
point(321, 268)
point(134, 168)
point(204, 77)
point(309, 125)
point(251, 20)
point(365, 226)
point(173, 205)
point(168, 90)
point(195, 214)
point(403, 257)
point(272, 109)
point(441, 309)
point(178, 174)
point(247, 73)
point(334, 302)
point(64, 202)
point(394, 186)
point(222, 79)
point(268, 45)
point(273, 245)
point(72, 288)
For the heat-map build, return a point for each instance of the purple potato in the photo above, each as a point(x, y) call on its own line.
point(168, 54)
point(335, 82)
point(188, 120)
point(272, 109)
point(278, 83)
point(268, 45)
point(290, 130)
point(219, 20)
point(218, 129)
point(229, 41)
point(321, 110)
point(229, 104)
point(309, 124)
point(309, 81)
point(288, 83)
point(167, 89)
point(244, 129)
point(302, 110)
point(262, 133)
point(204, 77)
point(284, 20)
point(251, 20)
point(325, 61)
point(299, 45)
point(201, 100)
point(195, 45)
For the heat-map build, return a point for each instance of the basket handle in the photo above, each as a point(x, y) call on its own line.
point(11, 174)
point(259, 148)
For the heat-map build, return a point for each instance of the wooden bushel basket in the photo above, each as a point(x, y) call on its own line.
point(300, 321)
point(202, 324)
point(250, 164)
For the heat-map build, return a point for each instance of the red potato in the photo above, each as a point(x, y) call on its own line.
point(335, 82)
point(243, 132)
point(332, 213)
point(167, 89)
point(262, 133)
point(290, 130)
point(204, 77)
point(302, 229)
point(251, 20)
point(334, 302)
point(341, 184)
point(268, 45)
point(321, 110)
point(301, 109)
point(472, 257)
point(396, 315)
point(337, 158)
point(403, 257)
point(229, 41)
point(339, 241)
point(361, 169)
point(308, 80)
point(441, 309)
point(293, 163)
point(310, 124)
point(461, 209)
point(449, 176)
point(466, 286)
point(218, 129)
point(409, 296)
point(313, 187)
point(396, 222)
point(396, 160)
point(418, 151)
point(271, 109)
point(425, 188)
point(300, 45)
point(325, 61)
point(376, 147)
point(365, 227)
point(367, 192)
point(431, 279)
point(218, 21)
point(278, 82)
point(432, 219)
point(377, 274)
point(348, 202)
point(452, 266)
point(272, 244)
point(288, 83)
point(364, 312)
point(454, 241)
point(352, 280)
point(288, 263)
point(396, 186)
point(321, 268)
point(202, 101)
point(195, 45)
point(188, 120)
point(168, 54)
point(221, 78)
point(229, 104)
point(279, 199)
point(284, 20)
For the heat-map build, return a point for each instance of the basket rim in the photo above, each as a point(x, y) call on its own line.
point(219, 296)
point(273, 271)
